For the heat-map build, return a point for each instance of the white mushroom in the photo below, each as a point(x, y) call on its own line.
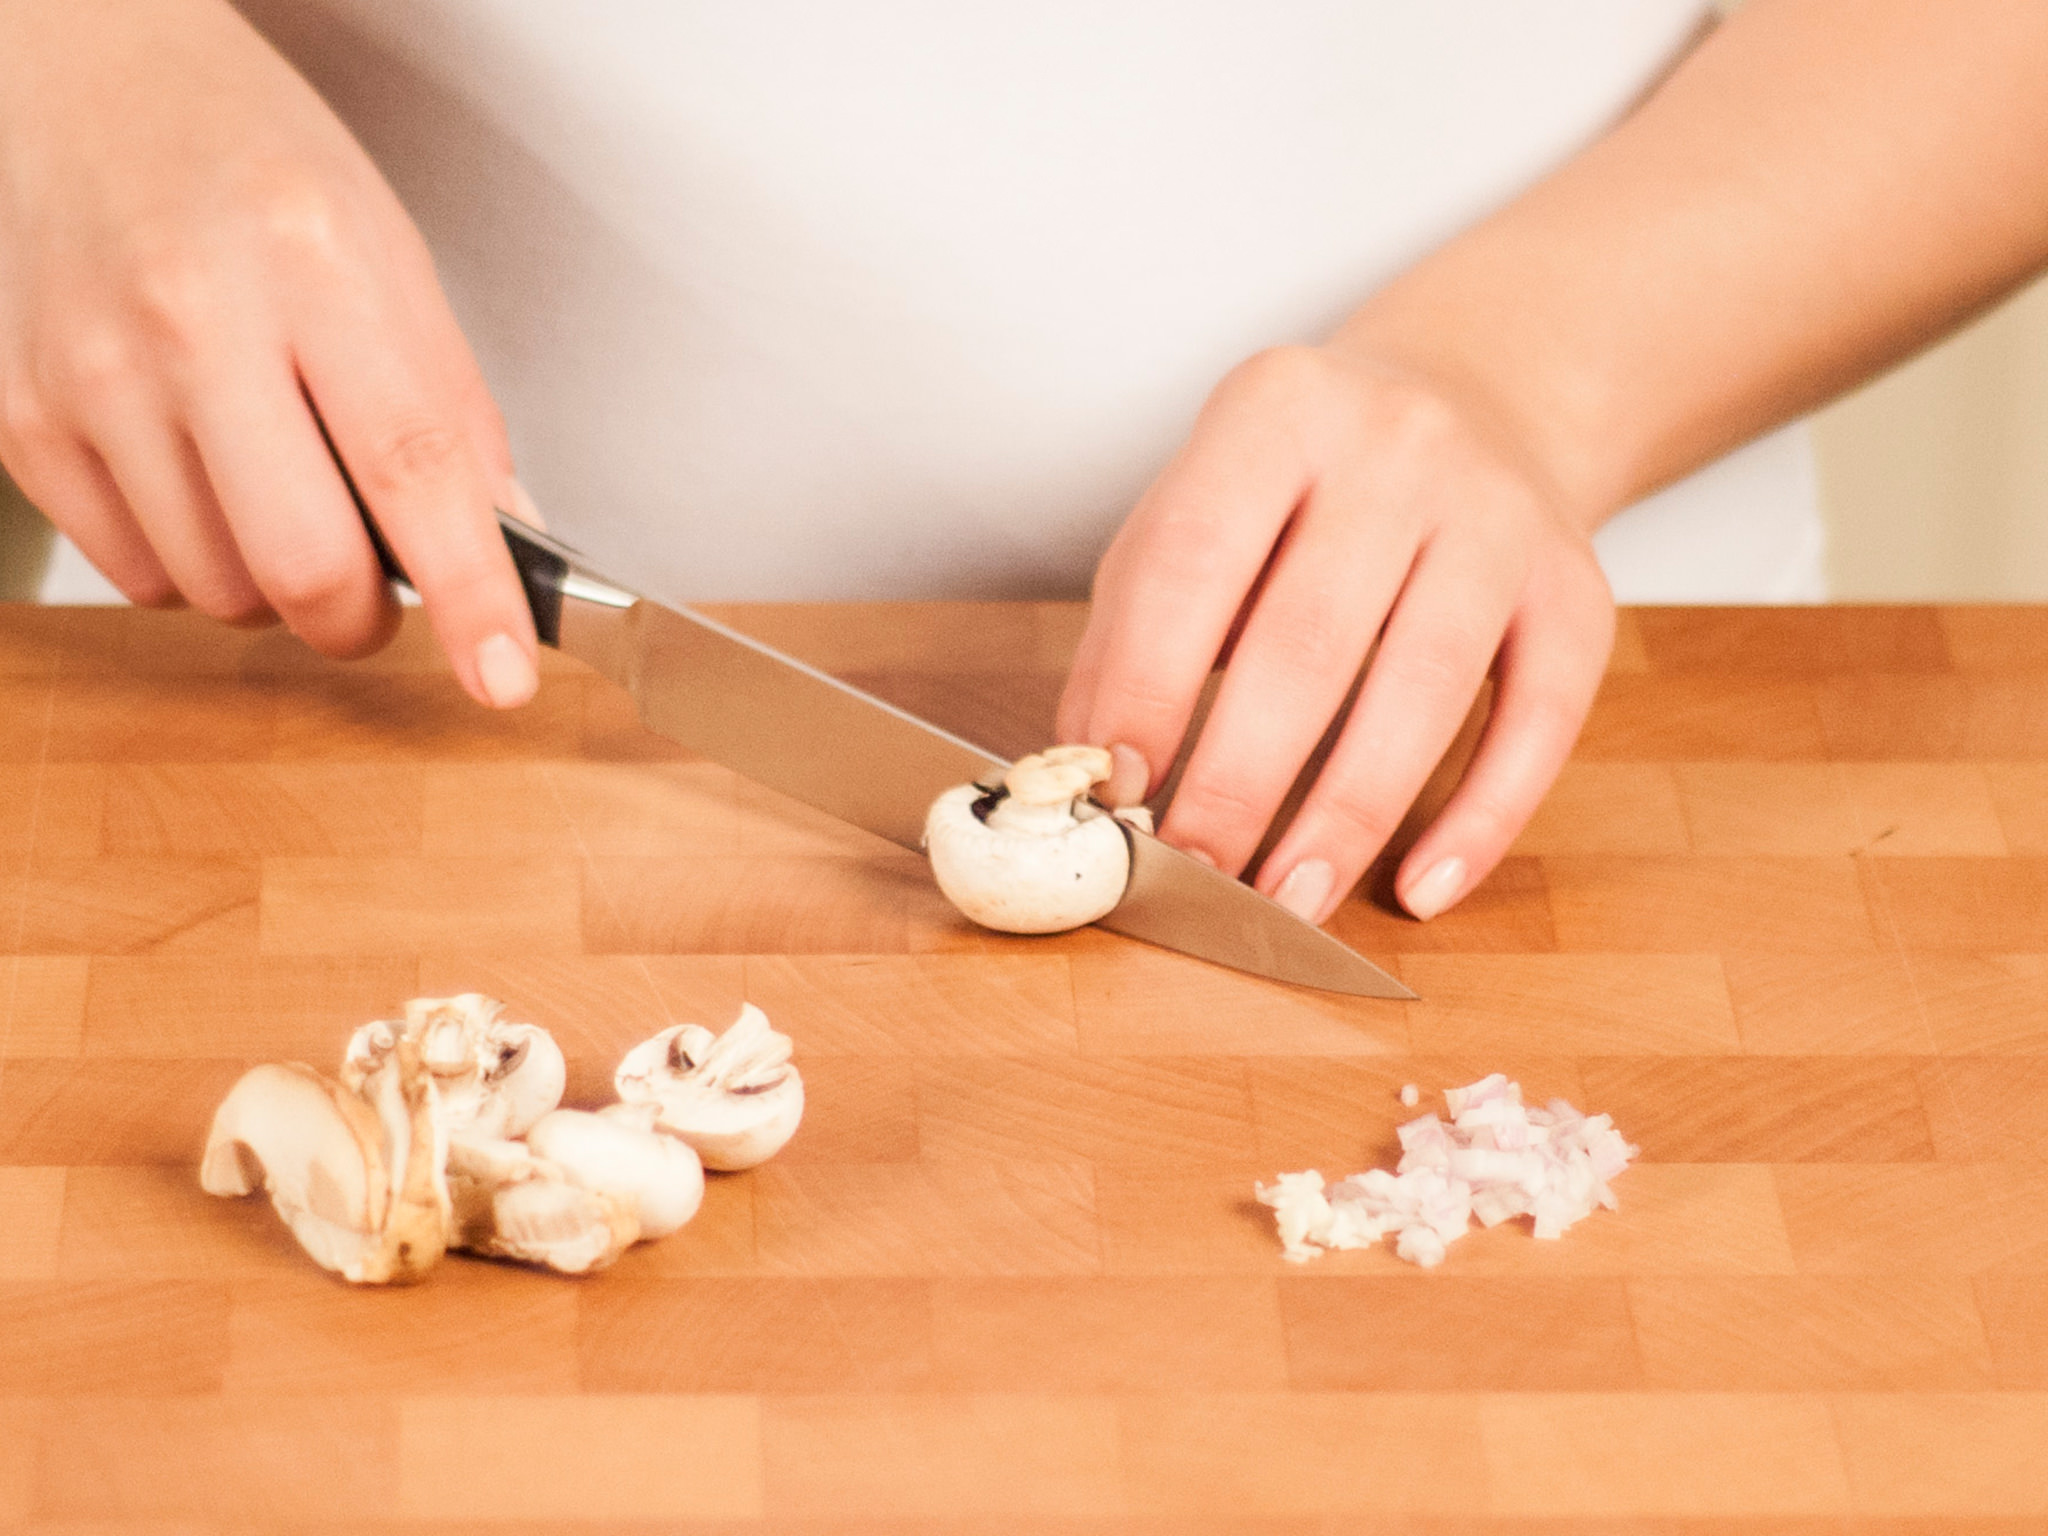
point(618, 1152)
point(509, 1204)
point(492, 1078)
point(1034, 855)
point(354, 1170)
point(735, 1098)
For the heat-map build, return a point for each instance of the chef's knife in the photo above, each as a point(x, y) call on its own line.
point(795, 729)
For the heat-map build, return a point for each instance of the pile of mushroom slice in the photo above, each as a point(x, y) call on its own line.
point(1032, 853)
point(444, 1131)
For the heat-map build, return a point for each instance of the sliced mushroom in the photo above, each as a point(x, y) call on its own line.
point(617, 1151)
point(493, 1078)
point(734, 1098)
point(509, 1204)
point(1035, 854)
point(354, 1170)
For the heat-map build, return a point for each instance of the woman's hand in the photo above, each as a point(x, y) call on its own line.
point(1325, 500)
point(195, 259)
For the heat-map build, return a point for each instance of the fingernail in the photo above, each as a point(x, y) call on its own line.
point(505, 672)
point(523, 508)
point(1130, 776)
point(1306, 889)
point(1435, 890)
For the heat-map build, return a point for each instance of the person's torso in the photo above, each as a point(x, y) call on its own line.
point(801, 301)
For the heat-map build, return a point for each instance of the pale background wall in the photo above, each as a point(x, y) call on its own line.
point(1935, 478)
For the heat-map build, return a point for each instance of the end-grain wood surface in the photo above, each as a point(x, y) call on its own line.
point(1785, 916)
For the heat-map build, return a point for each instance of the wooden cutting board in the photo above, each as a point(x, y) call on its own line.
point(1785, 917)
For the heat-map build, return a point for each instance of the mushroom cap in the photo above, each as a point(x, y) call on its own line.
point(626, 1157)
point(734, 1098)
point(1019, 879)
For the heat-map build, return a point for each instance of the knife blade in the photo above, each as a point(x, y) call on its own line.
point(785, 724)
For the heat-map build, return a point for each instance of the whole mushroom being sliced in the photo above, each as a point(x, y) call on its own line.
point(1034, 854)
point(355, 1170)
point(734, 1098)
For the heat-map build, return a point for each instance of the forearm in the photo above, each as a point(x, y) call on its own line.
point(1823, 186)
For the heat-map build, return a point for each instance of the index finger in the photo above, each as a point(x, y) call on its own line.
point(405, 436)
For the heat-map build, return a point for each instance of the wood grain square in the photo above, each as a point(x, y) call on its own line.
point(130, 719)
point(919, 1005)
point(1838, 1005)
point(94, 1339)
point(1341, 1115)
point(773, 1335)
point(1791, 1333)
point(1675, 1219)
point(1983, 1004)
point(1150, 1110)
point(1509, 912)
point(748, 906)
point(1629, 653)
point(858, 1110)
point(1988, 1108)
point(2015, 1313)
point(26, 710)
point(1787, 809)
point(579, 1458)
point(1662, 719)
point(934, 1219)
point(1909, 810)
point(42, 1004)
point(1946, 1454)
point(373, 906)
point(1769, 1110)
point(1960, 904)
point(263, 1460)
point(1302, 1453)
point(671, 810)
point(1880, 717)
point(1994, 637)
point(1187, 1221)
point(31, 1212)
point(1697, 905)
point(53, 809)
point(261, 809)
point(1457, 1333)
point(1131, 999)
point(112, 1111)
point(933, 1456)
point(21, 1425)
point(1616, 1454)
point(1797, 641)
point(401, 717)
point(267, 1008)
point(2019, 792)
point(474, 1327)
point(1930, 1219)
point(139, 1223)
point(38, 641)
point(1185, 1334)
point(1598, 807)
point(1553, 1004)
point(121, 906)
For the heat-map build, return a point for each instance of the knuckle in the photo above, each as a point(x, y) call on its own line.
point(97, 357)
point(1309, 642)
point(1217, 801)
point(411, 451)
point(1352, 819)
point(313, 586)
point(1281, 373)
point(1449, 662)
point(1413, 420)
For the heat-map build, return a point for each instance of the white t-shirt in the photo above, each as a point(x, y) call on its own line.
point(786, 299)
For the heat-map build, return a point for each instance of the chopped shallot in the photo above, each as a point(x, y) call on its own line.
point(1495, 1158)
